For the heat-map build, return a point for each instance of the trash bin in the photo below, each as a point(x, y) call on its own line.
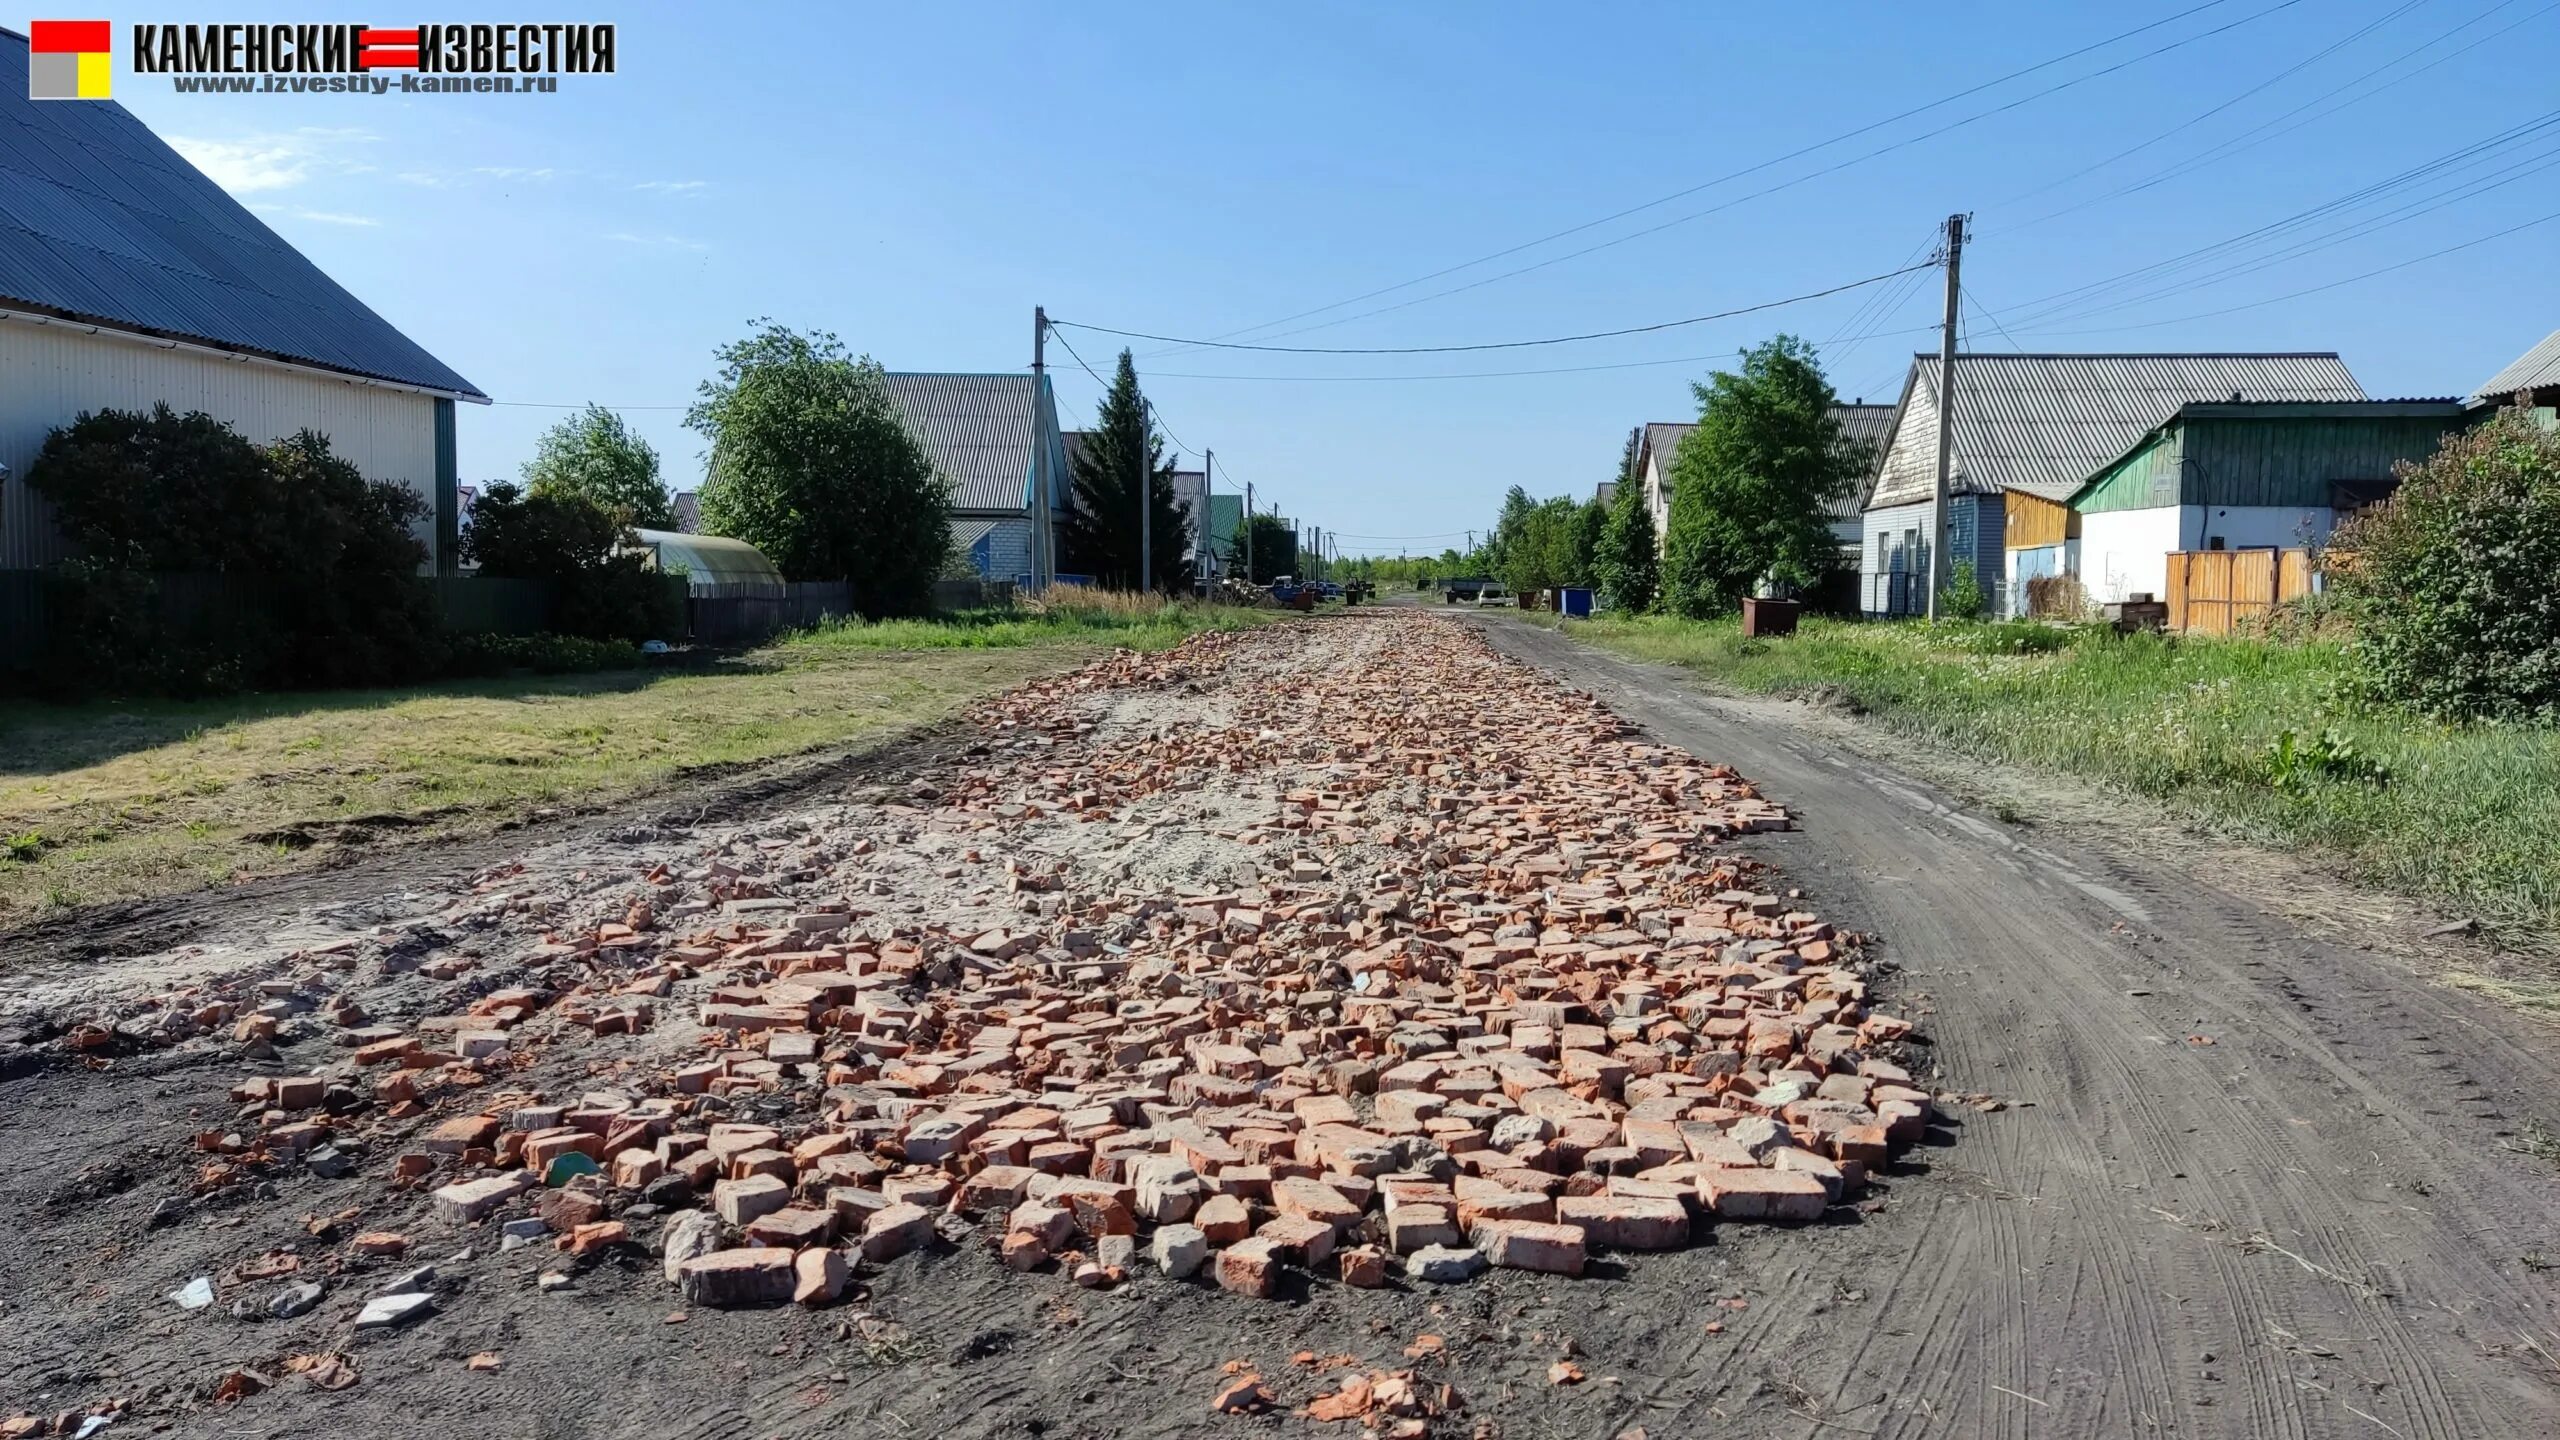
point(1764, 618)
point(1575, 601)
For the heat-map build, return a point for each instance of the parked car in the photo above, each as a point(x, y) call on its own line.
point(1494, 595)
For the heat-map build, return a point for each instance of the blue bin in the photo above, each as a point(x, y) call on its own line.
point(1574, 602)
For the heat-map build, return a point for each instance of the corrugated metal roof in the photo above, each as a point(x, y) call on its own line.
point(2535, 369)
point(1662, 442)
point(1869, 425)
point(965, 533)
point(979, 428)
point(2042, 423)
point(102, 221)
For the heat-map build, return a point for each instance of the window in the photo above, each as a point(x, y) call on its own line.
point(2213, 542)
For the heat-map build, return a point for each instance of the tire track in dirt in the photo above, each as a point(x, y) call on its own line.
point(2069, 975)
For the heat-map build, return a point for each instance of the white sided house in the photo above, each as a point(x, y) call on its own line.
point(2028, 431)
point(128, 280)
point(2219, 476)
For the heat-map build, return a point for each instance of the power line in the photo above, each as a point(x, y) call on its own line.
point(1683, 194)
point(2081, 298)
point(2194, 120)
point(2266, 130)
point(1761, 193)
point(1494, 344)
point(2332, 285)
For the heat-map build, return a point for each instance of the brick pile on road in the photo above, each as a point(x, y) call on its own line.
point(1496, 997)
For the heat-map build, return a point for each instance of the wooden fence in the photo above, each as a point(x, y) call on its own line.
point(749, 614)
point(2215, 592)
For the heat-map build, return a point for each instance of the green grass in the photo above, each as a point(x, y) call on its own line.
point(1098, 618)
point(2469, 815)
point(127, 799)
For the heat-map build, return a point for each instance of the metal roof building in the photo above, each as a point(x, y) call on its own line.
point(995, 438)
point(127, 278)
point(2042, 423)
point(2536, 369)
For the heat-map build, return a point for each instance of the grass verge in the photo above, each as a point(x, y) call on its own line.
point(112, 801)
point(2256, 739)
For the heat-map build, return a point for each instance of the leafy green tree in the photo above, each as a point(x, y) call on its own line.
point(1510, 530)
point(1591, 522)
point(1102, 537)
point(593, 453)
point(1275, 550)
point(2449, 582)
point(813, 463)
point(602, 590)
point(1750, 484)
point(1628, 563)
point(1627, 458)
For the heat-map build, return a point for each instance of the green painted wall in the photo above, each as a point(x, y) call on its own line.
point(2289, 461)
point(2143, 480)
point(2294, 462)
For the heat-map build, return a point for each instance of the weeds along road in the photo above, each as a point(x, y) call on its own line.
point(2309, 1226)
point(2248, 1183)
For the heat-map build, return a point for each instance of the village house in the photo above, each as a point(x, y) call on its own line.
point(2223, 476)
point(995, 437)
point(2029, 430)
point(128, 279)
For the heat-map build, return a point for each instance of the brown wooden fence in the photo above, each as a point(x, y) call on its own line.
point(2215, 592)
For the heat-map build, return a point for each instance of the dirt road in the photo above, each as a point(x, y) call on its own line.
point(2310, 1226)
point(2254, 1184)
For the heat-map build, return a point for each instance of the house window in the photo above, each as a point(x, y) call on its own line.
point(2213, 542)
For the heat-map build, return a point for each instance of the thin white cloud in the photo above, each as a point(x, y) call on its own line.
point(672, 187)
point(256, 164)
point(335, 217)
point(424, 178)
point(668, 242)
point(514, 172)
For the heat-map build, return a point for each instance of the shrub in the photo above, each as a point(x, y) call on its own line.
point(475, 655)
point(573, 541)
point(1961, 597)
point(209, 564)
point(2449, 583)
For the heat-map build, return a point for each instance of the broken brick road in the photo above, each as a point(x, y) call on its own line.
point(1341, 1022)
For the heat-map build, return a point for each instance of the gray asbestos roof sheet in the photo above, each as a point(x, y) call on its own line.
point(101, 221)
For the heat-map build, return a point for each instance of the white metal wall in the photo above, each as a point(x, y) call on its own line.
point(49, 374)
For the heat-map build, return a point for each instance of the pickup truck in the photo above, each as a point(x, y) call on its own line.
point(1493, 595)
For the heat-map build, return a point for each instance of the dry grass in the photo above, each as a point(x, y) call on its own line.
point(116, 801)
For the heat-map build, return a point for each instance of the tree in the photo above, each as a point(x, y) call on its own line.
point(601, 589)
point(1591, 522)
point(813, 463)
point(1628, 458)
point(1510, 530)
point(1275, 550)
point(1627, 565)
point(2449, 582)
point(1750, 484)
point(593, 453)
point(1101, 538)
point(319, 564)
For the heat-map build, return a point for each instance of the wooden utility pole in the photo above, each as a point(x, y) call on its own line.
point(1939, 569)
point(1146, 506)
point(1044, 565)
point(1203, 562)
point(1248, 532)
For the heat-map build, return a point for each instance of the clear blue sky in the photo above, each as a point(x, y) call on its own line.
point(916, 178)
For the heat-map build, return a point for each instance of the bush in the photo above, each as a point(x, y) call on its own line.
point(2450, 582)
point(476, 655)
point(573, 541)
point(1961, 597)
point(209, 564)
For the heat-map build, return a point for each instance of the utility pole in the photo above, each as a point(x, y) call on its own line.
point(1146, 506)
point(1202, 561)
point(1044, 565)
point(1938, 567)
